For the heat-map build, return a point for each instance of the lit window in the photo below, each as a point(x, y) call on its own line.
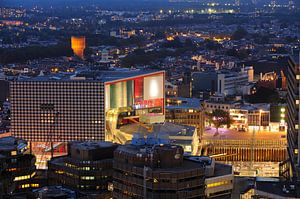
point(87, 177)
point(296, 126)
point(298, 77)
point(13, 153)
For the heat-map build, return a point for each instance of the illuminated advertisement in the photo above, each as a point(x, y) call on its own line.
point(138, 93)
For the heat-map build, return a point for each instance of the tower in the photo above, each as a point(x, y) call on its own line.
point(78, 46)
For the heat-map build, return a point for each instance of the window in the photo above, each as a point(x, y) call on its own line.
point(87, 178)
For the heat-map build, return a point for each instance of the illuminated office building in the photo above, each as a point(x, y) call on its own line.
point(144, 169)
point(18, 168)
point(88, 106)
point(293, 101)
point(78, 46)
point(87, 168)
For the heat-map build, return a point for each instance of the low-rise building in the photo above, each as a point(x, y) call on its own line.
point(219, 178)
point(251, 117)
point(225, 82)
point(186, 111)
point(183, 135)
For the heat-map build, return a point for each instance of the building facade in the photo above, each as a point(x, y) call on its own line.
point(18, 168)
point(87, 168)
point(90, 106)
point(56, 110)
point(222, 82)
point(156, 171)
point(186, 111)
point(50, 110)
point(293, 114)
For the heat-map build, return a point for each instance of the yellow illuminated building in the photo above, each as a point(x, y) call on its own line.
point(78, 45)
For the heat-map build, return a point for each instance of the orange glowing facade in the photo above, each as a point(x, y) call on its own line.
point(78, 46)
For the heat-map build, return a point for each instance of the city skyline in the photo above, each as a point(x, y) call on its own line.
point(149, 99)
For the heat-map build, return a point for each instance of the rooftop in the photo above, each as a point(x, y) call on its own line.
point(185, 165)
point(55, 192)
point(230, 134)
point(91, 145)
point(183, 103)
point(259, 106)
point(219, 168)
point(11, 143)
point(275, 187)
point(168, 128)
point(89, 75)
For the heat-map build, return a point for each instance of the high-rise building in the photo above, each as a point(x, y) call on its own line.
point(293, 101)
point(156, 171)
point(78, 46)
point(18, 167)
point(87, 168)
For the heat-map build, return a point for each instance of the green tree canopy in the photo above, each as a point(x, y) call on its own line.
point(219, 118)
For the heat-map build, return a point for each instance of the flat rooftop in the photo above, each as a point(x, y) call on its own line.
point(219, 168)
point(230, 134)
point(91, 145)
point(11, 143)
point(275, 187)
point(185, 166)
point(185, 103)
point(91, 75)
point(168, 128)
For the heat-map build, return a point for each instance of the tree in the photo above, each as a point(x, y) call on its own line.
point(240, 33)
point(219, 118)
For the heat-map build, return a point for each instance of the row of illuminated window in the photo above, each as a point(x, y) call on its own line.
point(57, 93)
point(25, 177)
point(81, 131)
point(217, 184)
point(59, 86)
point(87, 177)
point(63, 103)
point(82, 168)
point(81, 177)
point(24, 186)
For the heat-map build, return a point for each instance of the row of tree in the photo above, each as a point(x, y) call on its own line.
point(17, 55)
